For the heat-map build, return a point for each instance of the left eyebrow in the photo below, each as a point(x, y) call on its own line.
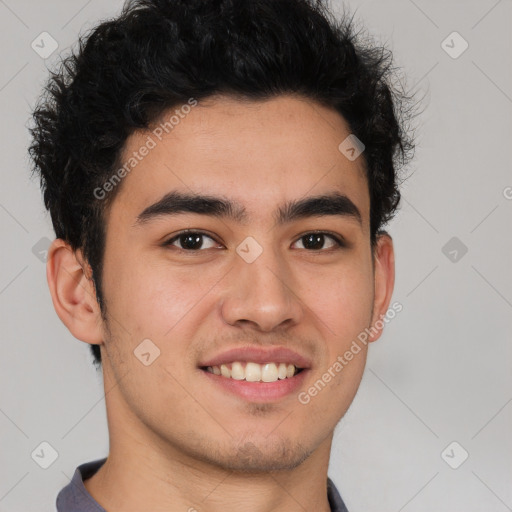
point(175, 203)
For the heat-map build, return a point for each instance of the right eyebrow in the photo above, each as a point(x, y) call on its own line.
point(175, 203)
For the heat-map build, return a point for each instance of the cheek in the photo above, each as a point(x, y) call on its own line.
point(344, 309)
point(150, 299)
point(342, 299)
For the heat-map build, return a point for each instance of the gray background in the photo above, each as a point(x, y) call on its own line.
point(442, 370)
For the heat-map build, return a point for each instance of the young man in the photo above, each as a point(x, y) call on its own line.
point(218, 174)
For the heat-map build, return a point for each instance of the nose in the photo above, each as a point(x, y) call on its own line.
point(262, 294)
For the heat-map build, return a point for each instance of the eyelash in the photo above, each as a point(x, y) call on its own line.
point(340, 243)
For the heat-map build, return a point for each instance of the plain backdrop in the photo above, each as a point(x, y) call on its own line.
point(441, 373)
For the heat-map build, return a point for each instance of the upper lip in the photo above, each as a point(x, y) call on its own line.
point(258, 355)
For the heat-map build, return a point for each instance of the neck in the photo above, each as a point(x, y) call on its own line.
point(134, 481)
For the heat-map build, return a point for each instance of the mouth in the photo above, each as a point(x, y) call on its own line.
point(254, 372)
point(254, 382)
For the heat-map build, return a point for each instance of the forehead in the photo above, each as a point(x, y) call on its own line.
point(258, 153)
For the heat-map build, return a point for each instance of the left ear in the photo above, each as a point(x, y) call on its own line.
point(384, 281)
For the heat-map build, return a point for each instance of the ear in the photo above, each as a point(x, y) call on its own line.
point(73, 294)
point(384, 281)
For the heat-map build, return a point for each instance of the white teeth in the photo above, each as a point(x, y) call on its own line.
point(237, 371)
point(269, 372)
point(254, 372)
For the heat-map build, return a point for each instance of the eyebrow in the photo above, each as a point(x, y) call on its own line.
point(175, 203)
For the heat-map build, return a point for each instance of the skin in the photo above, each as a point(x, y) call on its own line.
point(176, 441)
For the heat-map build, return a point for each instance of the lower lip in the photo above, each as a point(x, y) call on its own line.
point(259, 391)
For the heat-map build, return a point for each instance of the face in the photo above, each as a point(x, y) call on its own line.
point(260, 281)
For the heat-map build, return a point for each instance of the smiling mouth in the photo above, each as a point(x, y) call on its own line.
point(254, 372)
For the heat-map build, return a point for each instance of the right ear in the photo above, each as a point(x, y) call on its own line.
point(73, 293)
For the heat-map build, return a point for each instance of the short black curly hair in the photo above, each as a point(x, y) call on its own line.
point(157, 54)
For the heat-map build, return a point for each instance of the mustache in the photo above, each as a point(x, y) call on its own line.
point(292, 341)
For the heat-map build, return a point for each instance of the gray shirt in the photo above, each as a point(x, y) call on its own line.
point(75, 497)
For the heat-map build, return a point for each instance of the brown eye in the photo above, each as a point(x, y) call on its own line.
point(315, 241)
point(190, 241)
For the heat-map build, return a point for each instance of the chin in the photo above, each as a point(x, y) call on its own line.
point(262, 456)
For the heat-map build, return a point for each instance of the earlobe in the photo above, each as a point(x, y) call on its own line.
point(73, 293)
point(384, 281)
